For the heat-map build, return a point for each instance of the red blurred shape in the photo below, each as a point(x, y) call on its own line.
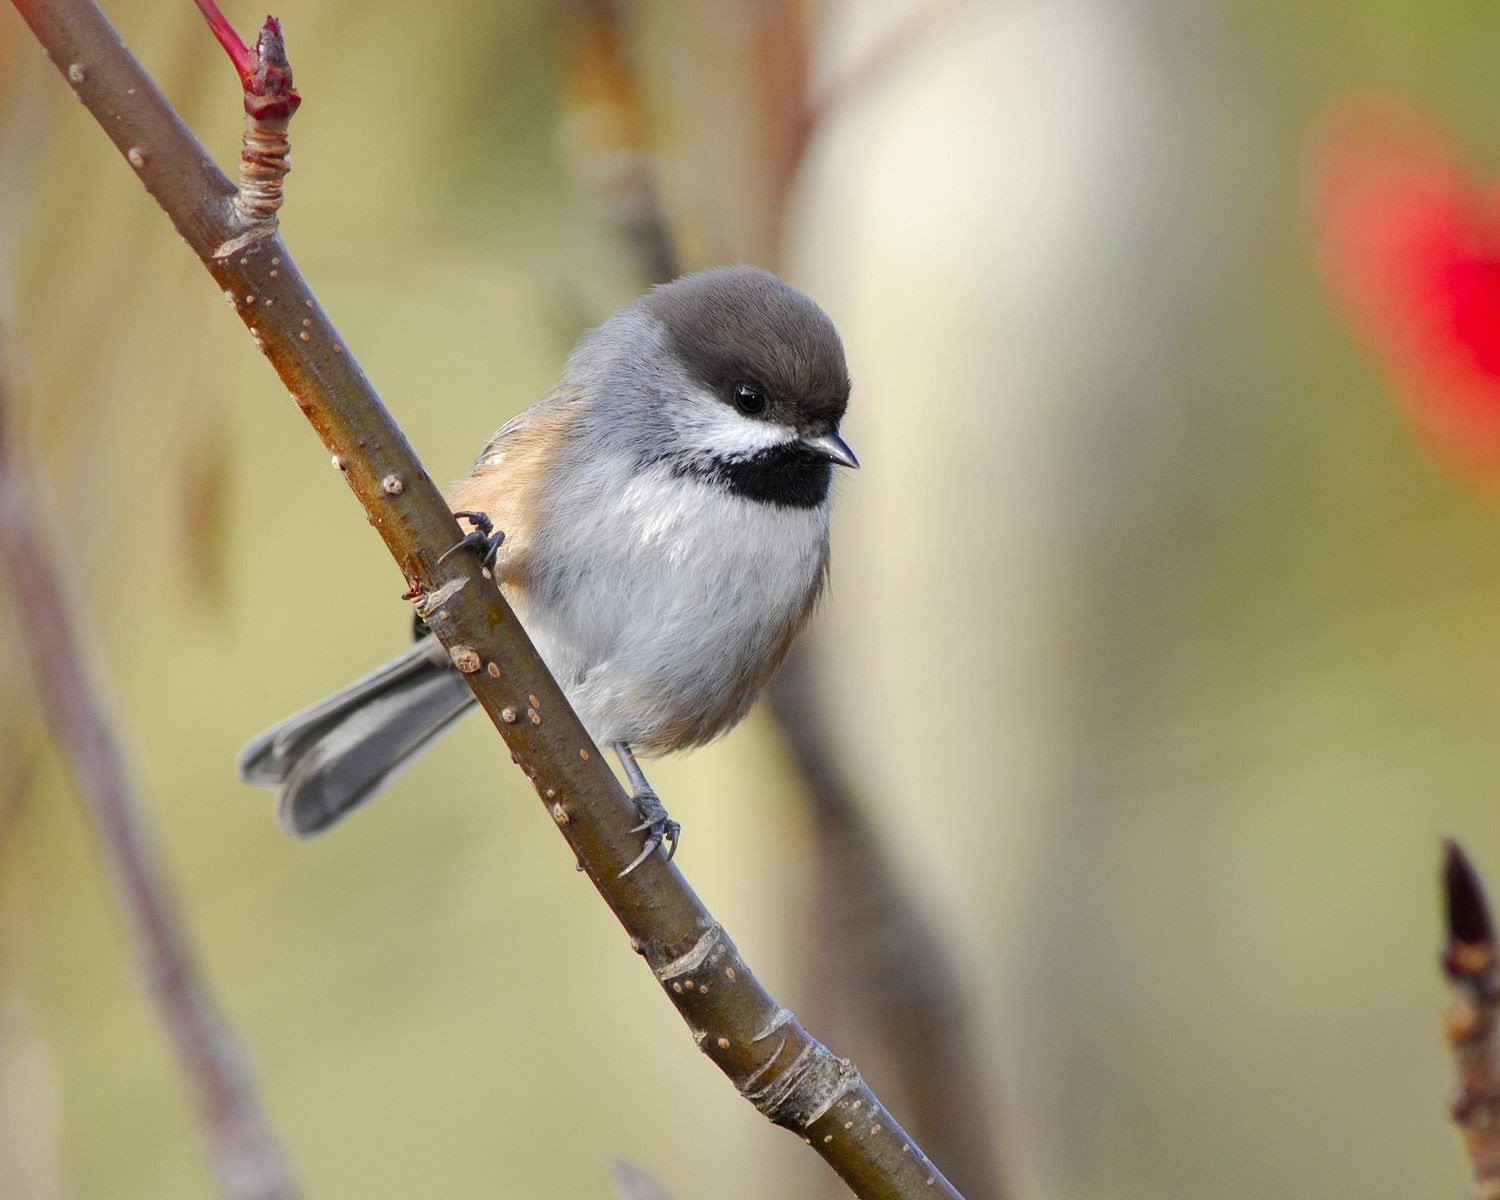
point(1411, 247)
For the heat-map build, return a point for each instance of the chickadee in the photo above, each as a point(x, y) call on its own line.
point(664, 533)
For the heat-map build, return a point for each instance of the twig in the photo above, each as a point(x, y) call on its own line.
point(879, 953)
point(810, 112)
point(270, 100)
point(243, 1152)
point(1470, 963)
point(880, 960)
point(605, 124)
point(788, 1075)
point(878, 58)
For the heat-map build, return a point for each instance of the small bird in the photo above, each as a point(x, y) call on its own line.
point(661, 521)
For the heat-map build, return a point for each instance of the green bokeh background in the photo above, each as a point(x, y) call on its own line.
point(1161, 653)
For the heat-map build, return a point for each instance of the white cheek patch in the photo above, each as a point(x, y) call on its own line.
point(708, 425)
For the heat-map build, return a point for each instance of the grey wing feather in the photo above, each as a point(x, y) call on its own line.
point(330, 758)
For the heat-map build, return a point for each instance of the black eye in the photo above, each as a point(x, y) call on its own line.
point(748, 400)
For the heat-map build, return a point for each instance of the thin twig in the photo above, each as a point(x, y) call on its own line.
point(246, 1159)
point(881, 961)
point(888, 49)
point(789, 1076)
point(1472, 1031)
point(270, 102)
point(880, 955)
point(606, 125)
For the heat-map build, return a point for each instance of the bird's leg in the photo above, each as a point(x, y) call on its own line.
point(484, 538)
point(659, 828)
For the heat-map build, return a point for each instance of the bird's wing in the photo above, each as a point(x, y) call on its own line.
point(511, 471)
point(510, 430)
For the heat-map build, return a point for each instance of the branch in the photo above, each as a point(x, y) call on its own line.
point(789, 1076)
point(880, 958)
point(811, 112)
point(270, 100)
point(878, 58)
point(1470, 963)
point(243, 1152)
point(605, 126)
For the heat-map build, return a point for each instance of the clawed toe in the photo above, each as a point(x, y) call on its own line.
point(660, 830)
point(483, 538)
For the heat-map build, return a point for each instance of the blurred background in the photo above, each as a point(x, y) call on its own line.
point(1162, 648)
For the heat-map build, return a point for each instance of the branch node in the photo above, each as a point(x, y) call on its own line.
point(712, 938)
point(257, 232)
point(428, 603)
point(270, 100)
point(798, 1097)
point(779, 1019)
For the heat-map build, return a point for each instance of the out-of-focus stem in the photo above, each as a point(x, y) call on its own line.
point(606, 132)
point(246, 1159)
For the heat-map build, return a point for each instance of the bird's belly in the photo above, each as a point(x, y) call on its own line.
point(663, 615)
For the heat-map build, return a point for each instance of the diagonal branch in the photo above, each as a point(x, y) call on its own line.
point(787, 1074)
point(243, 1152)
point(883, 960)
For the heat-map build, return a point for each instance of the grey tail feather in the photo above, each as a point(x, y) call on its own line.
point(328, 759)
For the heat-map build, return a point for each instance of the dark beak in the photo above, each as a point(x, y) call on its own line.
point(833, 448)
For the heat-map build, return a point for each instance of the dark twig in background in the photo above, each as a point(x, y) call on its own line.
point(607, 132)
point(878, 965)
point(244, 1154)
point(789, 1076)
point(1473, 969)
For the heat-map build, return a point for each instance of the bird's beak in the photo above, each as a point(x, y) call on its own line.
point(833, 448)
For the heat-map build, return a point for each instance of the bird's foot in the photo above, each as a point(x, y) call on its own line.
point(483, 538)
point(660, 829)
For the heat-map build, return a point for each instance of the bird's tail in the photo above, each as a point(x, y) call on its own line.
point(332, 757)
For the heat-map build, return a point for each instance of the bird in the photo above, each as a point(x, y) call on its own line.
point(658, 521)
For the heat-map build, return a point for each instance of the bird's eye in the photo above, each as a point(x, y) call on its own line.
point(748, 400)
